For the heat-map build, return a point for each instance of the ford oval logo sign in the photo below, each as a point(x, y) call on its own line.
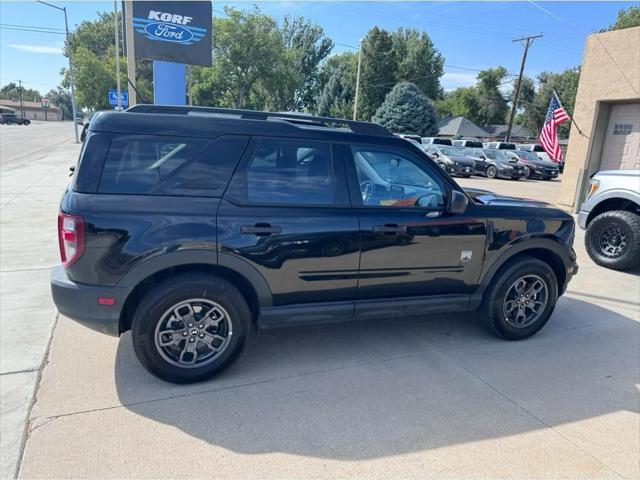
point(168, 32)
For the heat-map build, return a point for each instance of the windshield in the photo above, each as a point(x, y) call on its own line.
point(449, 150)
point(496, 154)
point(528, 155)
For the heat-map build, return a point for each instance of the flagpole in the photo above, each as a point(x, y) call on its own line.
point(570, 116)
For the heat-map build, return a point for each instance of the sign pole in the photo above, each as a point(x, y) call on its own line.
point(131, 59)
point(117, 43)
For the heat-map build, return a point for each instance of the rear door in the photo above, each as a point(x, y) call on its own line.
point(286, 214)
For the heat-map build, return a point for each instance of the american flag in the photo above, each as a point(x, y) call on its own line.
point(548, 136)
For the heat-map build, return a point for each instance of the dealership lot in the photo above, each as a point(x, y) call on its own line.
point(411, 397)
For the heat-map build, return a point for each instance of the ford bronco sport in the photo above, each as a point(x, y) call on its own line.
point(190, 226)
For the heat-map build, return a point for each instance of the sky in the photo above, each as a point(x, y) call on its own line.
point(470, 35)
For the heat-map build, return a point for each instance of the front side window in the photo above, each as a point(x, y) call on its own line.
point(158, 165)
point(390, 178)
point(290, 172)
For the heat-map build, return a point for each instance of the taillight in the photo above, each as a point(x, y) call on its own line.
point(70, 238)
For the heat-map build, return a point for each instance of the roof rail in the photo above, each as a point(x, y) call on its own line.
point(367, 128)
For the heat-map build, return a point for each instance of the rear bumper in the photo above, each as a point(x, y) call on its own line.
point(79, 302)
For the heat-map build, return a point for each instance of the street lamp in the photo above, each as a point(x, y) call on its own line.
point(73, 94)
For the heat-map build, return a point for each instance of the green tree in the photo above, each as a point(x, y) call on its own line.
point(248, 49)
point(62, 99)
point(492, 104)
point(419, 61)
point(338, 94)
point(11, 91)
point(407, 110)
point(565, 84)
point(626, 19)
point(378, 71)
point(462, 101)
point(307, 47)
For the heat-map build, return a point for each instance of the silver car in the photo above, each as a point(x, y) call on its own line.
point(611, 216)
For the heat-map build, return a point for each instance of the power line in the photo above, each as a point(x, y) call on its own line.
point(32, 26)
point(20, 29)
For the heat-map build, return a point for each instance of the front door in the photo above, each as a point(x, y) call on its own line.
point(286, 213)
point(410, 245)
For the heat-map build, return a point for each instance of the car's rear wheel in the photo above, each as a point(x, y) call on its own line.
point(612, 240)
point(492, 171)
point(520, 299)
point(190, 327)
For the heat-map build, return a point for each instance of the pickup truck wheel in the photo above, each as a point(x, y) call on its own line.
point(190, 327)
point(520, 299)
point(612, 240)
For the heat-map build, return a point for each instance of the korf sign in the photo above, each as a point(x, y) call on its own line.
point(173, 31)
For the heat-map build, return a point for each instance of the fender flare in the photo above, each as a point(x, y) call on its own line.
point(520, 245)
point(199, 257)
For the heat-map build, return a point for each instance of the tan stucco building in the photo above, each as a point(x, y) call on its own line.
point(33, 110)
point(607, 110)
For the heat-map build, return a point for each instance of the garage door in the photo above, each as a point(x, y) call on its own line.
point(621, 150)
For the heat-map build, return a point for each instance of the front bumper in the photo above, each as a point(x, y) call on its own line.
point(459, 169)
point(79, 302)
point(510, 173)
point(583, 215)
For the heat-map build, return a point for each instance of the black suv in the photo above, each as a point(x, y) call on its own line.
point(189, 226)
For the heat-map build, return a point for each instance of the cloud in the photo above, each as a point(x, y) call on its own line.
point(452, 80)
point(45, 49)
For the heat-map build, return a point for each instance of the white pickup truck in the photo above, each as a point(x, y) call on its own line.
point(611, 216)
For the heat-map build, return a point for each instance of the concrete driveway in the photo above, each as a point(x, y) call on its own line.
point(401, 398)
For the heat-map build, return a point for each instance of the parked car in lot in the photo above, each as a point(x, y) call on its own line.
point(190, 226)
point(495, 163)
point(451, 160)
point(539, 151)
point(500, 145)
point(436, 141)
point(12, 118)
point(534, 166)
point(467, 143)
point(611, 216)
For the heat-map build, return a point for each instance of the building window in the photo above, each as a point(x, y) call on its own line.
point(622, 129)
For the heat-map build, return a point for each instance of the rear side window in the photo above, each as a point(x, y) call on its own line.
point(288, 172)
point(159, 165)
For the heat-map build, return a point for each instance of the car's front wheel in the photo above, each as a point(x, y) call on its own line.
point(492, 171)
point(612, 239)
point(520, 299)
point(190, 327)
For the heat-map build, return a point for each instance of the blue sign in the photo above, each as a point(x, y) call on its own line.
point(113, 98)
point(173, 31)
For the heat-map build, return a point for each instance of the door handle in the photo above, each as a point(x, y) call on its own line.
point(260, 229)
point(390, 228)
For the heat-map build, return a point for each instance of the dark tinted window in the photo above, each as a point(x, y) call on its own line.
point(157, 165)
point(290, 172)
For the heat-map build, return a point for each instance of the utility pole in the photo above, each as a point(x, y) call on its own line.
point(131, 57)
point(528, 41)
point(355, 101)
point(117, 42)
point(71, 81)
point(20, 97)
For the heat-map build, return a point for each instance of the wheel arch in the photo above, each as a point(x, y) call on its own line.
point(242, 275)
point(618, 201)
point(547, 250)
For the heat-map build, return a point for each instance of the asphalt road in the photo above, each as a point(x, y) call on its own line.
point(401, 398)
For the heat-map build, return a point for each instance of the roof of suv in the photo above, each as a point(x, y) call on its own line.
point(211, 122)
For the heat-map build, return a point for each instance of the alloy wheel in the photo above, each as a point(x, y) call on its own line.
point(612, 241)
point(525, 301)
point(193, 333)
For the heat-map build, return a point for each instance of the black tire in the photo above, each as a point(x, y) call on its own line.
point(492, 311)
point(628, 224)
point(527, 172)
point(442, 166)
point(172, 291)
point(492, 171)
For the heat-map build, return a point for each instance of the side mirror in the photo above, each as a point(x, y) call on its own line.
point(436, 154)
point(458, 202)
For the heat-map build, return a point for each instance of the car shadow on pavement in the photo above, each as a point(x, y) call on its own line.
point(367, 390)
